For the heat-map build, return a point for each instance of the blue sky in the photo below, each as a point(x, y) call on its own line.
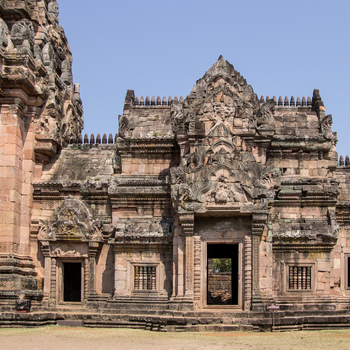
point(285, 48)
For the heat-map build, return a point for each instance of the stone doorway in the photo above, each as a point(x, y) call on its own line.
point(222, 274)
point(72, 282)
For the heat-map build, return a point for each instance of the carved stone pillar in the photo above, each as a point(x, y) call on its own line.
point(187, 224)
point(258, 225)
point(93, 249)
point(175, 263)
point(197, 272)
point(189, 267)
point(45, 249)
point(247, 272)
point(86, 278)
point(53, 283)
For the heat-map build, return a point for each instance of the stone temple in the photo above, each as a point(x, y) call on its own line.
point(199, 211)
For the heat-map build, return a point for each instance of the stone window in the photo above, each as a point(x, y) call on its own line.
point(144, 277)
point(299, 277)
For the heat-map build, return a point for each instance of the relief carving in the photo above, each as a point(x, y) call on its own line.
point(220, 171)
point(70, 253)
point(22, 35)
point(124, 130)
point(326, 127)
point(71, 220)
point(141, 228)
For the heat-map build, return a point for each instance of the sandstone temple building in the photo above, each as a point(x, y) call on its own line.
point(211, 207)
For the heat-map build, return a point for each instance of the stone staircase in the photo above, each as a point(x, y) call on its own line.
point(177, 321)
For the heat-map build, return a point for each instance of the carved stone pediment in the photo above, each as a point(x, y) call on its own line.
point(216, 125)
point(222, 103)
point(71, 221)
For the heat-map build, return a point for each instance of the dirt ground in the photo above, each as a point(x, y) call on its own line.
point(78, 338)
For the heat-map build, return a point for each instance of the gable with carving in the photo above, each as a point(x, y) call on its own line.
point(219, 124)
point(71, 221)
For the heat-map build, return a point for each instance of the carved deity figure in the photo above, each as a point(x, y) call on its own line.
point(22, 34)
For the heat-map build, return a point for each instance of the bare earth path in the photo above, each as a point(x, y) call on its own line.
point(64, 338)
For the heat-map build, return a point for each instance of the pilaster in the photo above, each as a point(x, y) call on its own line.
point(259, 220)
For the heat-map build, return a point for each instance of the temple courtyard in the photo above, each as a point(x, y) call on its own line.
point(69, 338)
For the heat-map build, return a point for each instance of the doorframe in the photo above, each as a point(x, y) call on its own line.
point(204, 293)
point(60, 272)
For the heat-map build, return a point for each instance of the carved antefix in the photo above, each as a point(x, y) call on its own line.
point(222, 122)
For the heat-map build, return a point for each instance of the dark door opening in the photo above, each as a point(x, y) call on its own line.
point(72, 282)
point(222, 274)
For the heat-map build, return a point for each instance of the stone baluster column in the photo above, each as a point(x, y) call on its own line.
point(86, 278)
point(247, 272)
point(93, 249)
point(259, 221)
point(53, 283)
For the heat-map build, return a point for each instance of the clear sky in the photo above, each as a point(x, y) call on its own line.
point(155, 47)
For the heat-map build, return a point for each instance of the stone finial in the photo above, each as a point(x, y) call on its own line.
point(153, 101)
point(280, 101)
point(309, 102)
point(80, 139)
point(98, 139)
point(169, 100)
point(77, 88)
point(317, 103)
point(286, 101)
point(147, 101)
point(104, 139)
point(267, 97)
point(116, 138)
point(142, 101)
point(303, 102)
point(292, 101)
point(159, 102)
point(341, 161)
point(262, 100)
point(175, 99)
point(110, 138)
point(92, 139)
point(86, 139)
point(164, 101)
point(347, 160)
point(298, 101)
point(136, 101)
point(181, 99)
